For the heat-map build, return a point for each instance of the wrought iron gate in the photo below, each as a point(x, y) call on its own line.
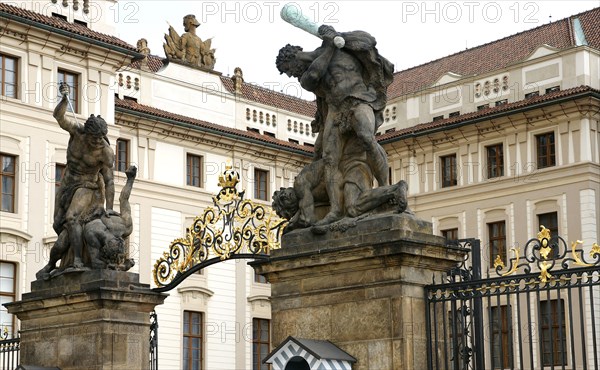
point(9, 351)
point(546, 317)
point(233, 228)
point(153, 341)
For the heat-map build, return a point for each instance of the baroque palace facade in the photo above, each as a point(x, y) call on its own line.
point(493, 141)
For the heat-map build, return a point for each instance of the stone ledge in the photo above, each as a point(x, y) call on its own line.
point(374, 230)
point(84, 281)
point(378, 242)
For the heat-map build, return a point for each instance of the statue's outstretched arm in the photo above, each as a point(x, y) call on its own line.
point(60, 114)
point(108, 176)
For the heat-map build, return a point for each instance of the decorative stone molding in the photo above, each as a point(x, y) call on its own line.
point(196, 295)
point(18, 233)
point(258, 116)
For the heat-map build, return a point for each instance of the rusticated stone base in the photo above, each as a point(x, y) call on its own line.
point(362, 289)
point(87, 320)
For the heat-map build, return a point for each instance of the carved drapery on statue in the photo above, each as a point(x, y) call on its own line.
point(189, 48)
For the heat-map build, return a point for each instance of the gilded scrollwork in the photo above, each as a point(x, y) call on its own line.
point(232, 227)
point(546, 251)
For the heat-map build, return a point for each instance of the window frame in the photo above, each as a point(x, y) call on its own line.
point(504, 331)
point(118, 159)
point(12, 295)
point(450, 234)
point(259, 279)
point(187, 333)
point(501, 249)
point(551, 225)
point(548, 159)
point(188, 168)
point(554, 328)
point(257, 184)
point(257, 342)
point(453, 170)
point(73, 90)
point(498, 161)
point(13, 175)
point(3, 73)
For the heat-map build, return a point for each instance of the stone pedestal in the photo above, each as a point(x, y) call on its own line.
point(362, 289)
point(88, 320)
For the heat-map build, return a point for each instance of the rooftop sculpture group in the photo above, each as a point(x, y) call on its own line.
point(89, 235)
point(189, 48)
point(349, 78)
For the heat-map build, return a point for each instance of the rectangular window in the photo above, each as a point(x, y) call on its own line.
point(260, 278)
point(450, 234)
point(532, 94)
point(261, 182)
point(7, 182)
point(553, 335)
point(546, 151)
point(192, 340)
point(122, 155)
point(495, 160)
point(8, 77)
point(550, 222)
point(500, 337)
point(261, 343)
point(194, 170)
point(448, 170)
point(72, 80)
point(7, 294)
point(497, 241)
point(456, 332)
point(59, 173)
point(552, 89)
point(454, 114)
point(438, 118)
point(501, 102)
point(483, 106)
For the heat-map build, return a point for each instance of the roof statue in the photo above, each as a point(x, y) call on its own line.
point(189, 48)
point(349, 78)
point(91, 235)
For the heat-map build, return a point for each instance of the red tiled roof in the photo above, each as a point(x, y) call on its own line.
point(273, 98)
point(9, 10)
point(155, 63)
point(497, 54)
point(135, 106)
point(482, 114)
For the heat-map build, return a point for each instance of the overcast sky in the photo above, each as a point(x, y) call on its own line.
point(249, 34)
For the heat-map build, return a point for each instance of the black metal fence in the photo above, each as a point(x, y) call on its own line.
point(540, 319)
point(9, 353)
point(153, 341)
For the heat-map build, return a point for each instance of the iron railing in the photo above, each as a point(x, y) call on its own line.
point(9, 353)
point(153, 341)
point(539, 319)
